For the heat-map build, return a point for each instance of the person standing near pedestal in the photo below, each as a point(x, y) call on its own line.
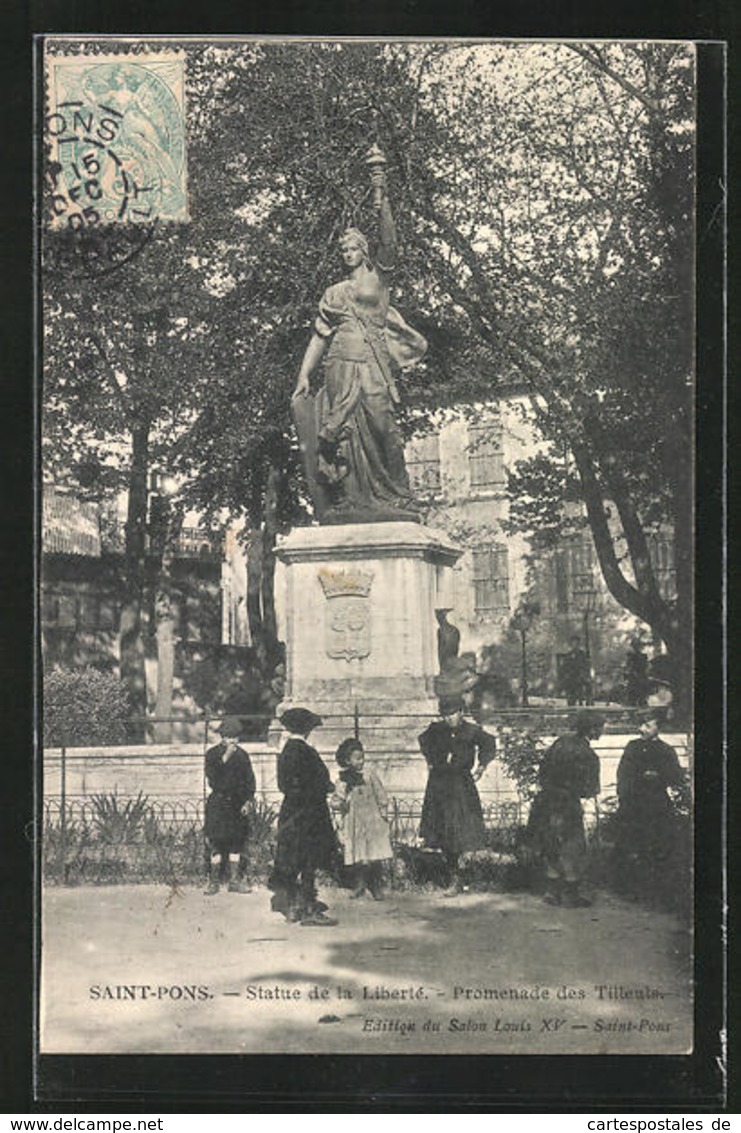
point(306, 837)
point(457, 754)
point(637, 683)
point(575, 674)
point(232, 781)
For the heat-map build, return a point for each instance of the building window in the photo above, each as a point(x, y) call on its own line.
point(96, 613)
point(575, 588)
point(82, 611)
point(491, 579)
point(661, 553)
point(193, 541)
point(67, 612)
point(485, 455)
point(49, 608)
point(423, 464)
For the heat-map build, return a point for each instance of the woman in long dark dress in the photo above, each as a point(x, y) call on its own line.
point(306, 838)
point(232, 781)
point(648, 825)
point(352, 444)
point(457, 754)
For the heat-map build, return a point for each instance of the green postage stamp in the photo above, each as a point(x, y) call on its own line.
point(115, 130)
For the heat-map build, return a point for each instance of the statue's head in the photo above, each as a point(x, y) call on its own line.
point(354, 247)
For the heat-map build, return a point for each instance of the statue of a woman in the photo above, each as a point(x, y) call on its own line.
point(351, 442)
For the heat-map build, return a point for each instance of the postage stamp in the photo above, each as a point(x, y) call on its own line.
point(115, 127)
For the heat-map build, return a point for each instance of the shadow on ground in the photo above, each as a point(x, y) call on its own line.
point(481, 972)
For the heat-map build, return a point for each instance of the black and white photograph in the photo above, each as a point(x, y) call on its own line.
point(367, 405)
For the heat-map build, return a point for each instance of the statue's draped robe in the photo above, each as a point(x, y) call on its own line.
point(352, 446)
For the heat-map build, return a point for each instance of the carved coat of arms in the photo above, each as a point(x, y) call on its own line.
point(348, 612)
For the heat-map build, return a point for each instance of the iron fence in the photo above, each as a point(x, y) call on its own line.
point(170, 815)
point(110, 838)
point(118, 820)
point(118, 832)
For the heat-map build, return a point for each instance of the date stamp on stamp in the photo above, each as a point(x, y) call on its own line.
point(116, 139)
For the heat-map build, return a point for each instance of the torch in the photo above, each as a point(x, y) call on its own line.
point(376, 162)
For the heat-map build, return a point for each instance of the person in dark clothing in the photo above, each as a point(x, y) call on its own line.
point(647, 825)
point(569, 772)
point(637, 683)
point(232, 781)
point(457, 753)
point(306, 838)
point(575, 675)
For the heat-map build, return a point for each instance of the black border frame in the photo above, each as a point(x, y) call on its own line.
point(398, 1083)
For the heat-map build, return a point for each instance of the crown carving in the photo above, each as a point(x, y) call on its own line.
point(346, 583)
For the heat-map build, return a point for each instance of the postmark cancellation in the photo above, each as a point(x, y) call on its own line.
point(116, 136)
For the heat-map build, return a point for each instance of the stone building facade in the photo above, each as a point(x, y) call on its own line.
point(81, 596)
point(459, 468)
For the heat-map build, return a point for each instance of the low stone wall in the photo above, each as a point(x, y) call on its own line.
point(175, 772)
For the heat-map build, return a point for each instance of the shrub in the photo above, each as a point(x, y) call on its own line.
point(84, 707)
point(120, 821)
point(521, 754)
point(116, 839)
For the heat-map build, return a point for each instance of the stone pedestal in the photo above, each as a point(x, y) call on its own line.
point(361, 632)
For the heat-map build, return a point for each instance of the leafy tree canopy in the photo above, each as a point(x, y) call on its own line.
point(543, 195)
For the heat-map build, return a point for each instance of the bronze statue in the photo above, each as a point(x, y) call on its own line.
point(351, 443)
point(448, 639)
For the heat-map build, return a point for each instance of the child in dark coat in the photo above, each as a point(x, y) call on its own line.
point(570, 772)
point(232, 781)
point(306, 837)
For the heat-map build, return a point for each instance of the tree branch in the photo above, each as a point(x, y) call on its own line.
point(622, 591)
point(597, 60)
point(111, 375)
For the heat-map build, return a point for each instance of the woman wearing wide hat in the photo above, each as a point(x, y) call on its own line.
point(457, 753)
point(306, 838)
point(232, 781)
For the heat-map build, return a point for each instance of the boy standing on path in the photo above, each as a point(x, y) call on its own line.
point(569, 772)
point(232, 781)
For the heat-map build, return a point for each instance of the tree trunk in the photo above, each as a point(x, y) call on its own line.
point(261, 578)
point(133, 672)
point(165, 669)
point(254, 589)
point(671, 622)
point(524, 691)
point(165, 526)
point(269, 621)
point(683, 522)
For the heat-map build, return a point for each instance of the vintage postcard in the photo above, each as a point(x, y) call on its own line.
point(367, 418)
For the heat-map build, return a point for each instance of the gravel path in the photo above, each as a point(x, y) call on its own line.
point(133, 969)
